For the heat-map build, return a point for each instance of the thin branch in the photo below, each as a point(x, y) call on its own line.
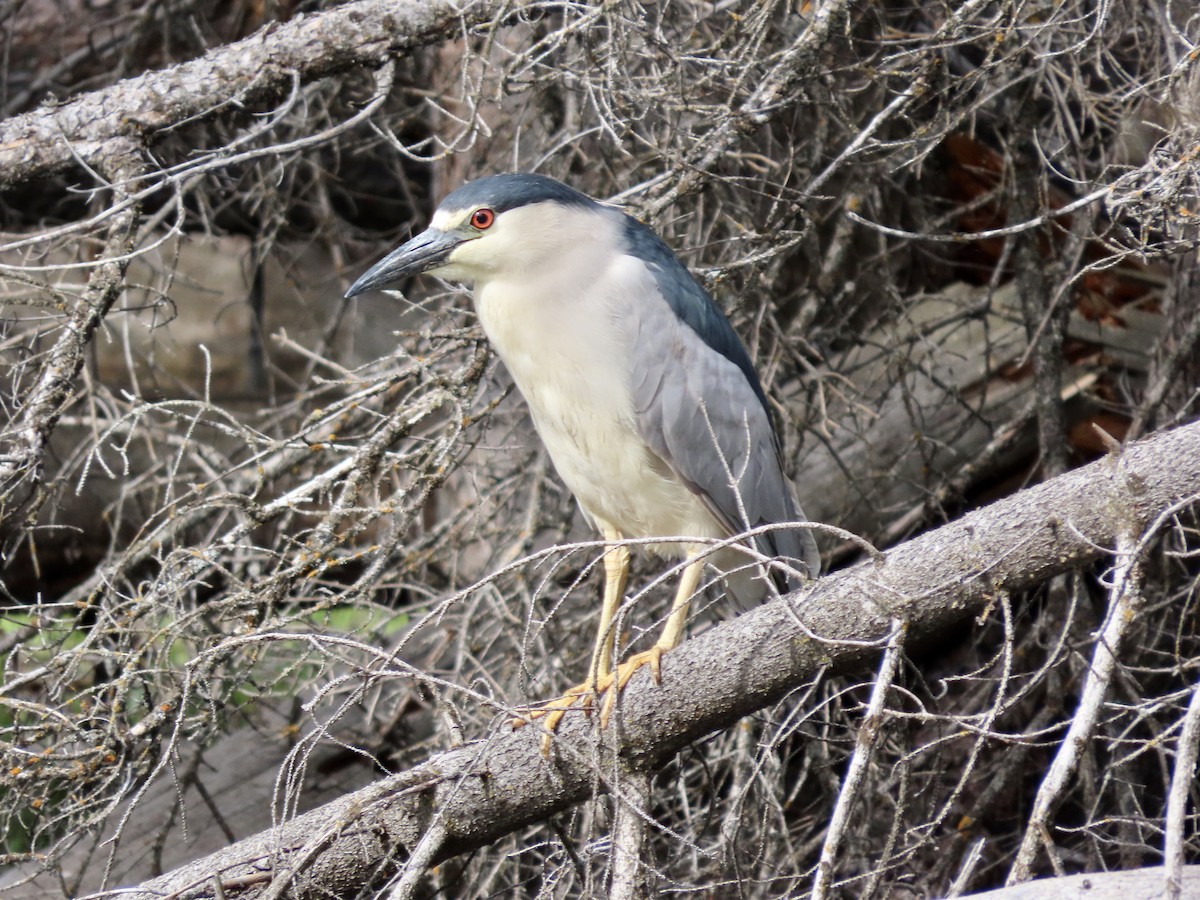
point(1126, 599)
point(23, 443)
point(1182, 781)
point(629, 837)
point(869, 733)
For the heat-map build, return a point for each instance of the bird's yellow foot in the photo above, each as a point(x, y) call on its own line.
point(584, 695)
point(581, 695)
point(625, 670)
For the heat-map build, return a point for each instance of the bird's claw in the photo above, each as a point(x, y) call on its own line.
point(553, 710)
point(583, 696)
point(625, 671)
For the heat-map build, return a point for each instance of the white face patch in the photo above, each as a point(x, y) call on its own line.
point(449, 219)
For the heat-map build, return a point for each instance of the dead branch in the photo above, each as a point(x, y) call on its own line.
point(23, 441)
point(852, 784)
point(1186, 751)
point(490, 787)
point(1127, 596)
point(1136, 884)
point(261, 69)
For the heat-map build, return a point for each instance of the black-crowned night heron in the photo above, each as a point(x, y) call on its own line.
point(645, 398)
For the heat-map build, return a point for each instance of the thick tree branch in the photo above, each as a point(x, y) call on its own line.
point(260, 69)
point(487, 789)
point(1135, 884)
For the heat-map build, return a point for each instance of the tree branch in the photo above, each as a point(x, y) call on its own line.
point(1186, 750)
point(1127, 599)
point(1134, 884)
point(491, 787)
point(860, 760)
point(23, 442)
point(260, 69)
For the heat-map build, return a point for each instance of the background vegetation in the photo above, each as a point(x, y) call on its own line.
point(262, 544)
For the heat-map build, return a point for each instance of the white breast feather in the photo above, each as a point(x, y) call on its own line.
point(568, 357)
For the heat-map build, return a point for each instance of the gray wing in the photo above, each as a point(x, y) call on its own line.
point(699, 407)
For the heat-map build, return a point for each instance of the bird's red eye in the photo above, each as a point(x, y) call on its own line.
point(483, 218)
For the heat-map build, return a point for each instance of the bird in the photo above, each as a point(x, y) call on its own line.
point(645, 398)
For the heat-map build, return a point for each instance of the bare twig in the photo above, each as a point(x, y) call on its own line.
point(629, 866)
point(23, 442)
point(1182, 781)
point(1126, 598)
point(869, 733)
point(256, 70)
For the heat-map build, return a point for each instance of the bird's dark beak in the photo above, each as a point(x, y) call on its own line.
point(426, 251)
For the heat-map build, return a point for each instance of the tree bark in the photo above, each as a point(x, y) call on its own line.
point(263, 68)
point(1135, 884)
point(491, 787)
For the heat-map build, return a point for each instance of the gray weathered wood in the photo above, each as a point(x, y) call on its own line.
point(1136, 884)
point(259, 69)
point(491, 787)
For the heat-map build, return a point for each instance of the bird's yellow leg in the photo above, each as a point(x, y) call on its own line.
point(616, 574)
point(671, 633)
